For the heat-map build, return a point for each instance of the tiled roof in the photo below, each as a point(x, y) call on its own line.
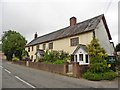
point(80, 46)
point(79, 28)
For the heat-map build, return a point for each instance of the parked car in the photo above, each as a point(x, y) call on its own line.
point(111, 62)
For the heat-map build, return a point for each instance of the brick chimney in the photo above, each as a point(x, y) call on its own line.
point(35, 36)
point(73, 21)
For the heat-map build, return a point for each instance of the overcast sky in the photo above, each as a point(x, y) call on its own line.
point(44, 16)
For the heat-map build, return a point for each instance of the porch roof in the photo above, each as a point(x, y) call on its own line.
point(80, 46)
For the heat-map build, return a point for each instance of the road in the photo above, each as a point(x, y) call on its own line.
point(16, 76)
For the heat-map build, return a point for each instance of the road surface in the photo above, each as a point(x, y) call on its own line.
point(16, 76)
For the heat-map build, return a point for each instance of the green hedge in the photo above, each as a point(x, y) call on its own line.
point(99, 76)
point(109, 75)
point(92, 76)
point(15, 59)
point(59, 62)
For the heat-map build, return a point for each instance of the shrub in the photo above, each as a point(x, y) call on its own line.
point(98, 68)
point(41, 59)
point(15, 59)
point(109, 75)
point(53, 56)
point(97, 59)
point(98, 65)
point(64, 55)
point(92, 76)
point(100, 76)
point(59, 62)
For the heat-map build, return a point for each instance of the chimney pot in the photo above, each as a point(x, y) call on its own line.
point(73, 21)
point(35, 36)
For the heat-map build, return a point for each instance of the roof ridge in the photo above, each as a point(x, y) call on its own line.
point(70, 31)
point(69, 26)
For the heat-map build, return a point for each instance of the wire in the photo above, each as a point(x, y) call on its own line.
point(109, 4)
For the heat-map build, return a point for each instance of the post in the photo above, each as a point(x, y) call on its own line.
point(27, 63)
point(76, 69)
point(65, 67)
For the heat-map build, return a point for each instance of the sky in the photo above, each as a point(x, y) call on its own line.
point(45, 16)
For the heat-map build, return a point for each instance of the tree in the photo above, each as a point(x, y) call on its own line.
point(98, 65)
point(13, 43)
point(0, 47)
point(94, 49)
point(96, 53)
point(117, 47)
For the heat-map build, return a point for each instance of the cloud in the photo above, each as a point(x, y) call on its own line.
point(43, 16)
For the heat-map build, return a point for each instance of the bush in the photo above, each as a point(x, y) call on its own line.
point(41, 59)
point(15, 59)
point(92, 76)
point(97, 59)
point(59, 62)
point(100, 76)
point(98, 68)
point(109, 75)
point(53, 56)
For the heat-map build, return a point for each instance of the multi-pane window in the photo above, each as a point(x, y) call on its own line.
point(44, 46)
point(81, 57)
point(28, 49)
point(50, 45)
point(32, 48)
point(37, 47)
point(74, 41)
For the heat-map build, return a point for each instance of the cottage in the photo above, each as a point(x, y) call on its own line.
point(74, 38)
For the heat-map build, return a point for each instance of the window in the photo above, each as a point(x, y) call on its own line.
point(32, 48)
point(28, 49)
point(75, 58)
point(37, 47)
point(74, 41)
point(72, 57)
point(44, 45)
point(86, 58)
point(93, 33)
point(31, 57)
point(50, 45)
point(81, 57)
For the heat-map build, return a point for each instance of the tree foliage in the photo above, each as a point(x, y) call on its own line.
point(13, 43)
point(94, 49)
point(56, 56)
point(117, 47)
point(0, 47)
point(98, 64)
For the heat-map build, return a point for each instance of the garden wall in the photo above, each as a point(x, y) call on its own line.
point(20, 62)
point(56, 68)
point(77, 69)
point(83, 68)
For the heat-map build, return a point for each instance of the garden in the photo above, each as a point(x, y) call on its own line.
point(99, 67)
point(55, 57)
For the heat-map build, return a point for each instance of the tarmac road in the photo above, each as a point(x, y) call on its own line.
point(16, 76)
